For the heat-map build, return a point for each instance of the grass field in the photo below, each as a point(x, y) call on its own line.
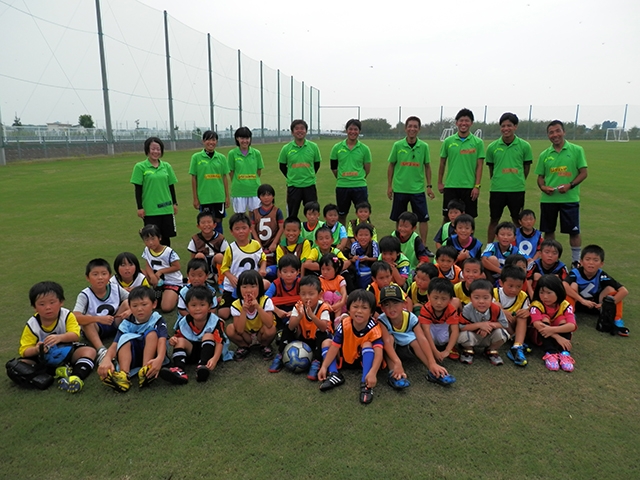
point(497, 423)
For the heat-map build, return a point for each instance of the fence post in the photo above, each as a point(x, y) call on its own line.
point(211, 112)
point(311, 110)
point(278, 78)
point(291, 92)
point(302, 100)
point(105, 88)
point(239, 89)
point(624, 118)
point(3, 158)
point(529, 125)
point(172, 133)
point(261, 104)
point(318, 113)
point(575, 125)
point(441, 112)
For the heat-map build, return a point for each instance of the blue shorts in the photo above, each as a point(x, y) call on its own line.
point(107, 330)
point(418, 203)
point(137, 350)
point(569, 217)
point(345, 196)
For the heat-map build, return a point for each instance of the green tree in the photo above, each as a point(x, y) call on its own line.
point(86, 121)
point(375, 126)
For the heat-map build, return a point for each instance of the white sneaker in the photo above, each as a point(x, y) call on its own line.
point(102, 352)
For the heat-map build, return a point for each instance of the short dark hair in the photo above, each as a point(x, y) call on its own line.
point(266, 188)
point(465, 112)
point(149, 231)
point(130, 258)
point(512, 117)
point(389, 244)
point(507, 226)
point(198, 264)
point(311, 207)
point(363, 205)
point(354, 121)
point(97, 263)
point(429, 269)
point(526, 212)
point(297, 122)
point(456, 204)
point(292, 221)
point(555, 122)
point(379, 266)
point(239, 218)
point(209, 134)
point(206, 213)
point(413, 118)
point(149, 141)
point(447, 251)
point(45, 288)
point(410, 217)
point(324, 228)
point(329, 207)
point(514, 258)
point(289, 260)
point(511, 271)
point(481, 284)
point(363, 226)
point(250, 277)
point(364, 296)
point(553, 243)
point(464, 218)
point(242, 132)
point(311, 281)
point(553, 283)
point(597, 249)
point(441, 285)
point(201, 293)
point(473, 261)
point(142, 292)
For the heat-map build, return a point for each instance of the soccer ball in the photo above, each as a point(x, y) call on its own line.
point(297, 357)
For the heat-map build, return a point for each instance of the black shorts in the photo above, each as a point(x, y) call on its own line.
point(345, 196)
point(462, 194)
point(418, 203)
point(218, 210)
point(226, 299)
point(166, 224)
point(498, 200)
point(298, 195)
point(569, 217)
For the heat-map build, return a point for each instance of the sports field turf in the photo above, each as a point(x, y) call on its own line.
point(495, 422)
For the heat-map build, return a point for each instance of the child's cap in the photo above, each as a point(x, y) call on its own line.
point(391, 293)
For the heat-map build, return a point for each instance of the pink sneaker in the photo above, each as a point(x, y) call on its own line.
point(551, 362)
point(566, 362)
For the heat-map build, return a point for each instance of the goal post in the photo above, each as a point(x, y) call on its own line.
point(617, 135)
point(447, 132)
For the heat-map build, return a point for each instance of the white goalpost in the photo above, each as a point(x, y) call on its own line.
point(617, 135)
point(447, 132)
point(478, 133)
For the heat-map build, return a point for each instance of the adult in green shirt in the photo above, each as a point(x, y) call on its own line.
point(154, 182)
point(409, 176)
point(299, 161)
point(245, 164)
point(350, 164)
point(561, 169)
point(461, 156)
point(509, 159)
point(209, 182)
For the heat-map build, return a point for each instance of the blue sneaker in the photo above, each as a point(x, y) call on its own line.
point(276, 364)
point(313, 371)
point(619, 328)
point(516, 355)
point(398, 383)
point(444, 381)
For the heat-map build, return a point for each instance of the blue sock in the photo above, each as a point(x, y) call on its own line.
point(333, 367)
point(367, 361)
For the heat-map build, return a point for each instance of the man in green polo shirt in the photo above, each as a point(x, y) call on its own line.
point(561, 169)
point(299, 161)
point(461, 155)
point(509, 159)
point(350, 164)
point(409, 167)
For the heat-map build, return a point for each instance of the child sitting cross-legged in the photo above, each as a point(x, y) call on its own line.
point(446, 257)
point(334, 286)
point(364, 249)
point(419, 290)
point(403, 338)
point(471, 270)
point(463, 240)
point(284, 291)
point(496, 253)
point(139, 347)
point(391, 252)
point(440, 321)
point(515, 305)
point(127, 272)
point(293, 243)
point(197, 274)
point(381, 275)
point(549, 263)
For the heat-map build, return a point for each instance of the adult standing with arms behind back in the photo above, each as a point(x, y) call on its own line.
point(154, 182)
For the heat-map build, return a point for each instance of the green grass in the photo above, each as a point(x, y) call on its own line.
point(246, 423)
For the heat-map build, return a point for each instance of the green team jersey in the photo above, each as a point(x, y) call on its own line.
point(408, 249)
point(156, 196)
point(310, 234)
point(351, 162)
point(561, 167)
point(409, 166)
point(209, 173)
point(300, 163)
point(245, 180)
point(462, 156)
point(508, 164)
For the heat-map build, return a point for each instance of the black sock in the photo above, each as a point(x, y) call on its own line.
point(83, 367)
point(179, 358)
point(206, 352)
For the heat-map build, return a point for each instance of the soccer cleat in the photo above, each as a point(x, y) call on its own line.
point(63, 372)
point(467, 357)
point(71, 384)
point(240, 354)
point(516, 355)
point(174, 375)
point(526, 347)
point(444, 381)
point(454, 354)
point(202, 373)
point(102, 352)
point(398, 383)
point(494, 357)
point(566, 361)
point(619, 328)
point(551, 362)
point(276, 364)
point(606, 319)
point(335, 379)
point(143, 380)
point(313, 371)
point(366, 394)
point(119, 381)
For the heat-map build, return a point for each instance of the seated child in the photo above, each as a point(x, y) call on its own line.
point(162, 267)
point(446, 263)
point(463, 241)
point(199, 339)
point(548, 264)
point(419, 290)
point(363, 215)
point(208, 244)
point(311, 226)
point(591, 289)
point(471, 270)
point(391, 252)
point(338, 232)
point(310, 321)
point(334, 286)
point(528, 239)
point(552, 322)
point(284, 291)
point(482, 324)
point(519, 261)
point(293, 243)
point(253, 321)
point(515, 305)
point(358, 340)
point(49, 343)
point(140, 346)
point(403, 337)
point(455, 208)
point(127, 272)
point(267, 223)
point(364, 249)
point(197, 274)
point(100, 308)
point(381, 277)
point(323, 246)
point(496, 253)
point(410, 242)
point(242, 255)
point(439, 320)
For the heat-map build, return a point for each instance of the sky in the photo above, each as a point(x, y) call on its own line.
point(391, 59)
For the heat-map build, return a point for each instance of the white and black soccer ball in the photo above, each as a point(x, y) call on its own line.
point(297, 357)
